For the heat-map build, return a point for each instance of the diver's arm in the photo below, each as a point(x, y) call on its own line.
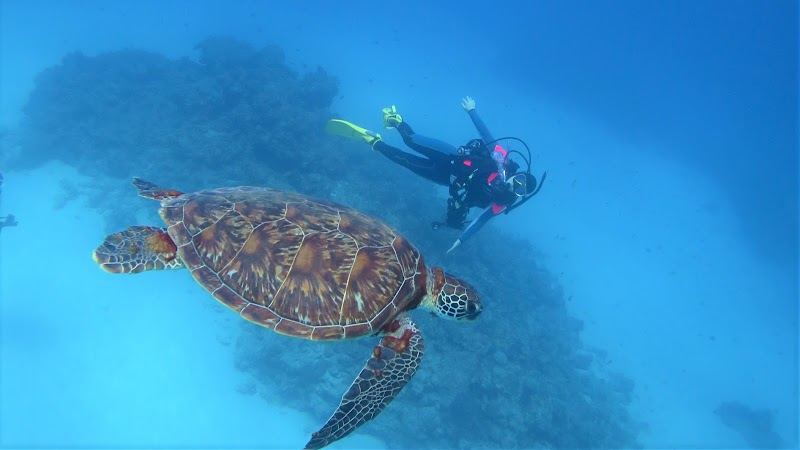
point(477, 224)
point(474, 226)
point(469, 106)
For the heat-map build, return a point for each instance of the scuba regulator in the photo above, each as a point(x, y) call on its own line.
point(523, 184)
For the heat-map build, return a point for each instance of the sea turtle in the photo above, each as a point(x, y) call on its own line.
point(305, 268)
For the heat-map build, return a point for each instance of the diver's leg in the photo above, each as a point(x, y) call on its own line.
point(423, 144)
point(433, 169)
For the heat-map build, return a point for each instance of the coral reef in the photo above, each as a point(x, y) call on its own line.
point(518, 377)
point(166, 117)
point(755, 426)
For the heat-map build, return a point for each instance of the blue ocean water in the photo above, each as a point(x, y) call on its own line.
point(669, 217)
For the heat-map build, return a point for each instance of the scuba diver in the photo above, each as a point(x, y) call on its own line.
point(8, 220)
point(478, 174)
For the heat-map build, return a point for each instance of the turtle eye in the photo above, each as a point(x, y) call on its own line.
point(473, 310)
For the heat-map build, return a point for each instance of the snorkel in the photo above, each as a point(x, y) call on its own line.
point(536, 186)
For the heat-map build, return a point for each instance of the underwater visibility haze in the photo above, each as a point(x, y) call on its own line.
point(314, 168)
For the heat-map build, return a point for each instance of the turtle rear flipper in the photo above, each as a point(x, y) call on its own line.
point(137, 249)
point(392, 364)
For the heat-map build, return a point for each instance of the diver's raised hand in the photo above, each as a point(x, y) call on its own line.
point(468, 103)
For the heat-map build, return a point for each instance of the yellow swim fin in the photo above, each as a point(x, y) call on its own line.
point(346, 129)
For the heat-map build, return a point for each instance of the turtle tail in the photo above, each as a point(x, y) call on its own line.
point(154, 191)
point(137, 249)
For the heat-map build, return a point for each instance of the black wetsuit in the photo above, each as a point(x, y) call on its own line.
point(438, 160)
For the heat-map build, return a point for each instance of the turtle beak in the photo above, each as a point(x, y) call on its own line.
point(474, 310)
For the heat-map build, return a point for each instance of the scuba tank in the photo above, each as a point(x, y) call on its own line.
point(499, 157)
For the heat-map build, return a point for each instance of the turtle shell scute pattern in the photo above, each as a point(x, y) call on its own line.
point(300, 266)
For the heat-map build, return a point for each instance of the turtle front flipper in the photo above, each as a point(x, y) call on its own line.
point(137, 249)
point(392, 364)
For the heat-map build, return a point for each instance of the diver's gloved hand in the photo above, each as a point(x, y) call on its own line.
point(468, 104)
point(390, 117)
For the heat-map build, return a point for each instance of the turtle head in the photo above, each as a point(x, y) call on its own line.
point(451, 297)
